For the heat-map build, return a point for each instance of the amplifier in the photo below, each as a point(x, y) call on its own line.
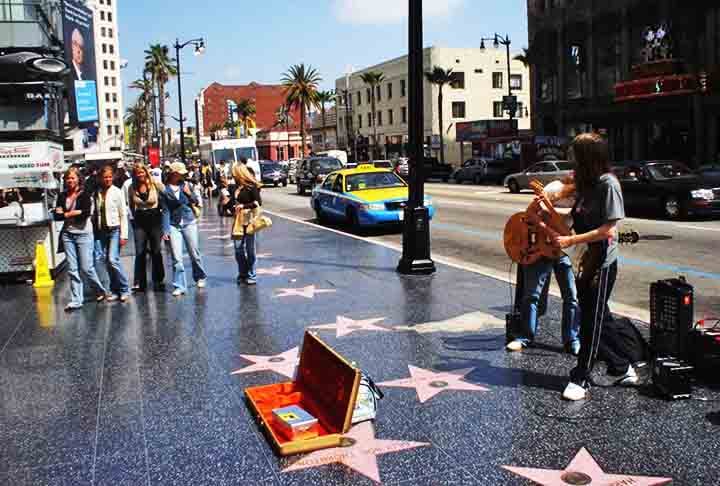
point(671, 317)
point(672, 378)
point(704, 345)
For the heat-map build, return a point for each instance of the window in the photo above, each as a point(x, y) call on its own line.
point(109, 3)
point(114, 97)
point(378, 93)
point(458, 109)
point(403, 114)
point(115, 114)
point(389, 91)
point(516, 81)
point(103, 31)
point(105, 64)
point(478, 71)
point(107, 113)
point(112, 49)
point(497, 109)
point(497, 80)
point(107, 97)
point(107, 81)
point(114, 81)
point(359, 98)
point(112, 65)
point(402, 88)
point(110, 33)
point(369, 120)
point(458, 80)
point(367, 95)
point(391, 119)
point(340, 121)
point(104, 48)
point(379, 118)
point(359, 121)
point(102, 14)
point(109, 16)
point(109, 130)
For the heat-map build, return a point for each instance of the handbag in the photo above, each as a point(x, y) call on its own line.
point(249, 222)
point(258, 224)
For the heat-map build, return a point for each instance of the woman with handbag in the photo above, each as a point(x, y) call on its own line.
point(144, 199)
point(179, 222)
point(74, 207)
point(247, 208)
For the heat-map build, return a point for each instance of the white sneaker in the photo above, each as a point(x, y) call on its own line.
point(574, 392)
point(630, 378)
point(178, 292)
point(202, 283)
point(516, 345)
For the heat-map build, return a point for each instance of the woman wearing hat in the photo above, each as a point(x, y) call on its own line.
point(180, 227)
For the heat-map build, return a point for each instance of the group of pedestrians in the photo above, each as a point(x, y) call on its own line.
point(98, 210)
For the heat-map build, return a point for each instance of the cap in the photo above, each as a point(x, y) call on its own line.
point(178, 168)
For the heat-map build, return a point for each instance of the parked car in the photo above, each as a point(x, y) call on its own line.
point(435, 170)
point(545, 172)
point(363, 196)
point(273, 173)
point(479, 170)
point(710, 173)
point(312, 171)
point(667, 186)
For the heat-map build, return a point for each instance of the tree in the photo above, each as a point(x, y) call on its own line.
point(136, 119)
point(230, 127)
point(246, 112)
point(284, 118)
point(142, 105)
point(440, 77)
point(527, 59)
point(325, 97)
point(214, 129)
point(301, 92)
point(373, 79)
point(161, 67)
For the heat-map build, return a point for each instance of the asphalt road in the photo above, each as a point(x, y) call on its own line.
point(468, 229)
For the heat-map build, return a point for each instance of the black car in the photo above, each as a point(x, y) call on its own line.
point(710, 173)
point(668, 186)
point(273, 173)
point(433, 169)
point(313, 171)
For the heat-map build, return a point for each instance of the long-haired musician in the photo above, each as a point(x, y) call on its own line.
point(598, 209)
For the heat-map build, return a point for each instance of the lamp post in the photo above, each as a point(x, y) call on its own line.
point(499, 40)
point(199, 49)
point(416, 232)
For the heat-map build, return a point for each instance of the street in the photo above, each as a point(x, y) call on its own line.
point(468, 230)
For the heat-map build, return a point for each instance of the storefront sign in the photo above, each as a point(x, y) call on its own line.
point(30, 158)
point(656, 87)
point(41, 180)
point(484, 129)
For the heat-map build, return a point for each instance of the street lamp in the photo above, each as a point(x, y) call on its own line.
point(498, 40)
point(199, 45)
point(416, 232)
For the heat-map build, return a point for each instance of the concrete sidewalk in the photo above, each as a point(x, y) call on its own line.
point(151, 392)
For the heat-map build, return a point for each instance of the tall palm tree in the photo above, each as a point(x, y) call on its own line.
point(246, 111)
point(301, 91)
point(325, 97)
point(161, 67)
point(373, 79)
point(283, 118)
point(440, 77)
point(136, 119)
point(144, 103)
point(527, 59)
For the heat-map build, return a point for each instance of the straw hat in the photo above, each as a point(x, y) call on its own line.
point(178, 168)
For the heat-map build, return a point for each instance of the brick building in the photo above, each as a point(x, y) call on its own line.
point(645, 72)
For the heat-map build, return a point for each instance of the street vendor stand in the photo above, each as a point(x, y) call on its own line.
point(31, 171)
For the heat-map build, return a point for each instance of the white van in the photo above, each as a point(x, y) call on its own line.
point(341, 155)
point(231, 150)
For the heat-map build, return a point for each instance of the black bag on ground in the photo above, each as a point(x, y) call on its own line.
point(628, 343)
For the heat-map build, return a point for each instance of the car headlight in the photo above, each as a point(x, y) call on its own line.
point(702, 194)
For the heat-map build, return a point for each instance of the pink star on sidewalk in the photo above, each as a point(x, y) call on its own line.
point(345, 325)
point(275, 270)
point(360, 456)
point(283, 363)
point(307, 292)
point(583, 470)
point(428, 383)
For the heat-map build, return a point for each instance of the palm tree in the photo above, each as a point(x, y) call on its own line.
point(144, 102)
point(214, 129)
point(283, 117)
point(230, 127)
point(246, 112)
point(161, 67)
point(373, 79)
point(325, 97)
point(527, 59)
point(136, 118)
point(301, 92)
point(440, 77)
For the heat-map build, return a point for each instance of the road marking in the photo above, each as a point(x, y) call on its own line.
point(450, 202)
point(703, 228)
point(636, 313)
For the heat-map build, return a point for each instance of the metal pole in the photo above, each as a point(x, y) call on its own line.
point(197, 126)
point(416, 233)
point(179, 76)
point(507, 48)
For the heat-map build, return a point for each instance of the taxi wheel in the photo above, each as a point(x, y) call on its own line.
point(352, 219)
point(319, 215)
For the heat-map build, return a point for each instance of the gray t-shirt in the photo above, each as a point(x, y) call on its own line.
point(603, 206)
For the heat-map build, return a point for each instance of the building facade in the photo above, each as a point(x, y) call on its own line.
point(323, 133)
point(475, 94)
point(645, 72)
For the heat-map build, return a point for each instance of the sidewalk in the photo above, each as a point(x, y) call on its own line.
point(151, 392)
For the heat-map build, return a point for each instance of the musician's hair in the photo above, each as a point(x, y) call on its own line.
point(590, 153)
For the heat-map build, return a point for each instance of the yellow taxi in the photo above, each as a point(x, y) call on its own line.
point(363, 196)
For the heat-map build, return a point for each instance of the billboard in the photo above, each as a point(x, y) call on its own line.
point(79, 40)
point(485, 129)
point(30, 157)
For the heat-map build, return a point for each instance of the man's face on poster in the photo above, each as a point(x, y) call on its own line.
point(78, 47)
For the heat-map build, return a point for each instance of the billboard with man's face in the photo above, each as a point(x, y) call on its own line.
point(79, 40)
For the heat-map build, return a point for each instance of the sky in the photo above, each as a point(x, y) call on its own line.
point(258, 40)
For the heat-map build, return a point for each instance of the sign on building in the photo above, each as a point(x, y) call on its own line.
point(79, 41)
point(484, 129)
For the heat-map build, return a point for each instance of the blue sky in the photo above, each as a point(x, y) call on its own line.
point(257, 40)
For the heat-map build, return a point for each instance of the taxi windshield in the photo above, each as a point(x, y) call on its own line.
point(373, 180)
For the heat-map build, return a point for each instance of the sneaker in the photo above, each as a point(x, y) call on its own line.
point(516, 345)
point(137, 289)
point(100, 298)
point(111, 297)
point(575, 392)
point(630, 378)
point(72, 307)
point(124, 298)
point(574, 348)
point(178, 292)
point(202, 283)
point(251, 281)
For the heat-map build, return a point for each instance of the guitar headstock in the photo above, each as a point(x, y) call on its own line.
point(537, 187)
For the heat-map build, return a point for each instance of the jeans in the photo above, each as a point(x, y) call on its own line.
point(534, 278)
point(245, 256)
point(187, 234)
point(145, 233)
point(107, 254)
point(79, 254)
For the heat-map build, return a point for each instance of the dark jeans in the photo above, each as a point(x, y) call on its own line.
point(594, 313)
point(148, 232)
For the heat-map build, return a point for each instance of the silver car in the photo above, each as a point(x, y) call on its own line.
point(545, 172)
